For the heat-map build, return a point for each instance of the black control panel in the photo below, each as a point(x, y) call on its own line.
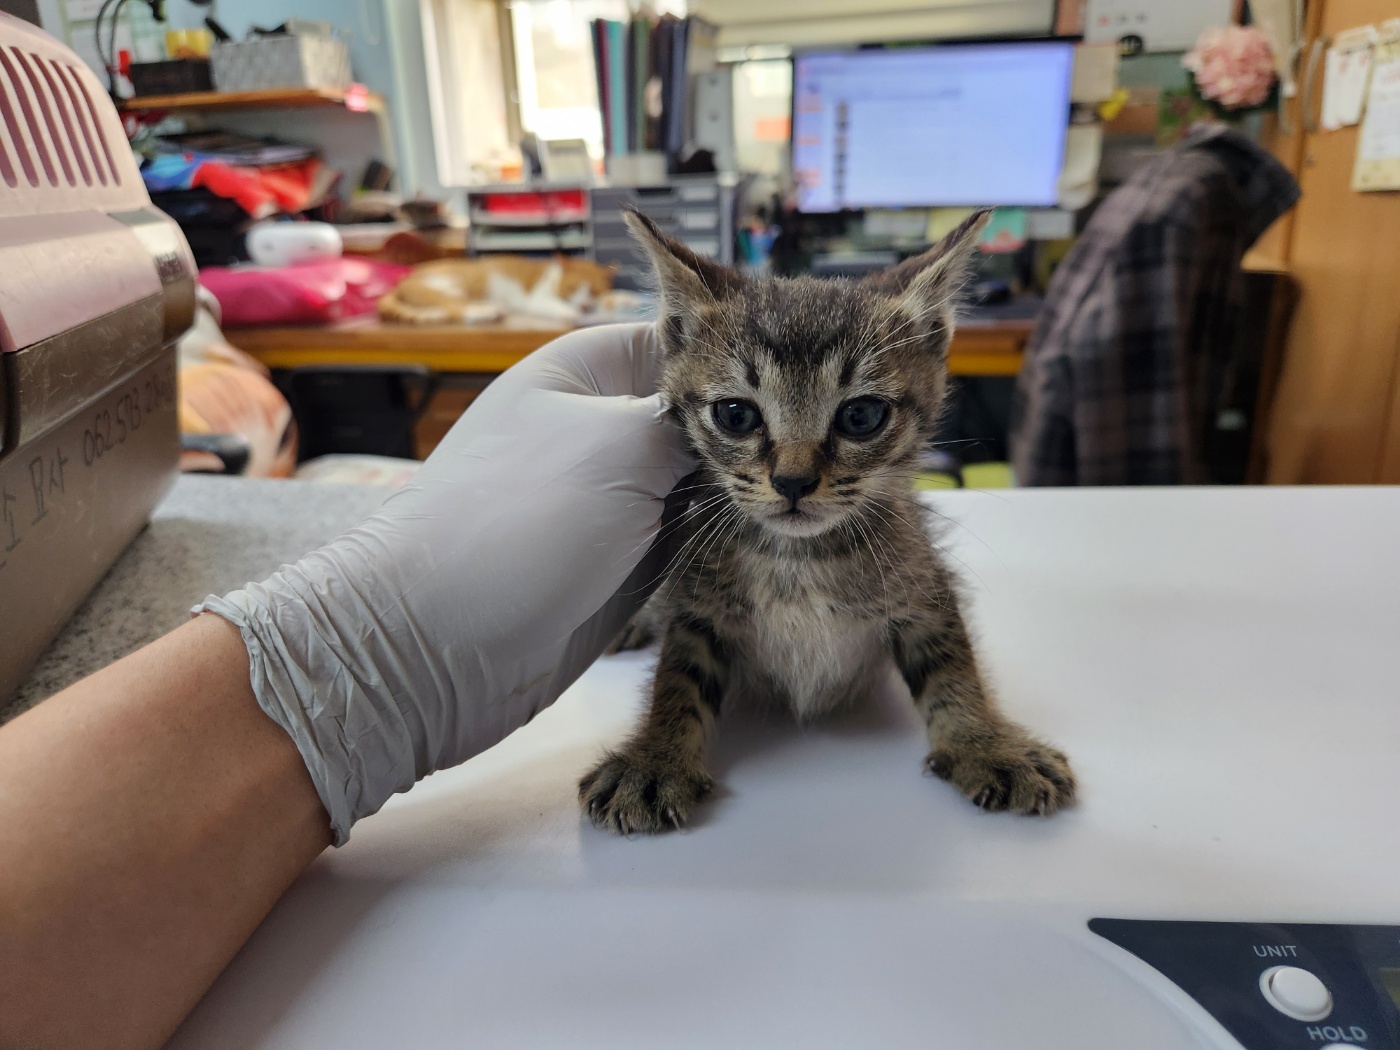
point(1279, 987)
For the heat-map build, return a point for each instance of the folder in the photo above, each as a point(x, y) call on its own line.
point(617, 102)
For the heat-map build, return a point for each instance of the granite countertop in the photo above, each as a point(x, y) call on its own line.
point(210, 535)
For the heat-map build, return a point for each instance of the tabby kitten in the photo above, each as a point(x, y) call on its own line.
point(808, 563)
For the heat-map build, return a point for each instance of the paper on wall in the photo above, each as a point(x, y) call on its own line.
point(1378, 146)
point(137, 33)
point(84, 44)
point(1079, 178)
point(1282, 23)
point(1095, 76)
point(1347, 74)
point(81, 10)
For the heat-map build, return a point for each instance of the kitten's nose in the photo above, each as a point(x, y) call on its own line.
point(793, 487)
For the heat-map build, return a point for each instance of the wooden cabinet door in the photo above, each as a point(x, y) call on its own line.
point(1283, 136)
point(1330, 418)
point(1390, 450)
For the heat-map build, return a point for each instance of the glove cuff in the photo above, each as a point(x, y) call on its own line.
point(353, 745)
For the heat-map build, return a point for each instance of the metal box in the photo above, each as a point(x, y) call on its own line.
point(281, 62)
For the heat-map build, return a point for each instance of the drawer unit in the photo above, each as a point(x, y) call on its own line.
point(696, 210)
point(528, 219)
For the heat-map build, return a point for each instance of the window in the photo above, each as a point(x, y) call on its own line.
point(478, 112)
point(466, 90)
point(557, 87)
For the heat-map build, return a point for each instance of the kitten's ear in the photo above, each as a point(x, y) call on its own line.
point(687, 281)
point(927, 285)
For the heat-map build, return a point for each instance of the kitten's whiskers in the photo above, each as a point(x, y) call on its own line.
point(868, 535)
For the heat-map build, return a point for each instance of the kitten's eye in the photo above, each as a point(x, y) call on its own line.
point(862, 417)
point(737, 417)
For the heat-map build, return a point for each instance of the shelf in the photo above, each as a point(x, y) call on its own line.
point(568, 240)
point(273, 98)
point(531, 220)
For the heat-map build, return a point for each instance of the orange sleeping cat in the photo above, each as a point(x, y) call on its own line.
point(450, 291)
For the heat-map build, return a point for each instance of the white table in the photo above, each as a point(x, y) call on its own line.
point(1222, 666)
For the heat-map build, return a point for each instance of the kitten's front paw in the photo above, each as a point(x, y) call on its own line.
point(629, 793)
point(1022, 775)
point(638, 633)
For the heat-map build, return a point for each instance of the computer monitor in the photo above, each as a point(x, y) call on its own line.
point(961, 124)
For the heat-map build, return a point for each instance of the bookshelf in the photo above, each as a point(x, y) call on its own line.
point(349, 126)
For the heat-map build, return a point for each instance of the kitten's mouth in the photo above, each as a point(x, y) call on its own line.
point(796, 521)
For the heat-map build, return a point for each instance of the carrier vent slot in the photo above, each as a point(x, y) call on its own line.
point(51, 124)
point(67, 117)
point(42, 147)
point(68, 77)
point(13, 107)
point(14, 145)
point(86, 92)
point(50, 127)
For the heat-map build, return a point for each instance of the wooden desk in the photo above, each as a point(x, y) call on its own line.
point(989, 348)
point(979, 349)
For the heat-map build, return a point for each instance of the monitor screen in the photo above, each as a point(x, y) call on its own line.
point(962, 124)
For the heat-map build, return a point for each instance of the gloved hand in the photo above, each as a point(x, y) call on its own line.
point(480, 590)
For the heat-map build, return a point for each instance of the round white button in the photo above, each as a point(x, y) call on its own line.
point(1296, 992)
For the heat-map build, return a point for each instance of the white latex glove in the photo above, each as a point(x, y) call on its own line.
point(480, 590)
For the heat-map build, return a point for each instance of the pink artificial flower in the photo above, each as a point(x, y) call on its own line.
point(1233, 66)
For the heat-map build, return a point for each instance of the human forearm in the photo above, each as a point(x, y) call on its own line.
point(153, 814)
point(150, 817)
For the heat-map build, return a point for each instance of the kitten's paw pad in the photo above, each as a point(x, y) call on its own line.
point(637, 634)
point(1024, 777)
point(627, 794)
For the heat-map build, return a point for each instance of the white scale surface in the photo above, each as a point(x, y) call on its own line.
point(1222, 667)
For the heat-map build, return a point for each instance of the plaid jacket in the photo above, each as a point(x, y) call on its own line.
point(1129, 355)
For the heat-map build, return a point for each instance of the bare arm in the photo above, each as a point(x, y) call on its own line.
point(150, 817)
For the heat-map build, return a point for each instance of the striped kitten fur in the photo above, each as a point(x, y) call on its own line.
point(807, 563)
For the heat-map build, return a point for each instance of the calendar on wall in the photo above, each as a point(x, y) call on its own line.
point(1378, 145)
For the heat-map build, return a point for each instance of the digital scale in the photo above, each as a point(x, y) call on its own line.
point(1222, 667)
